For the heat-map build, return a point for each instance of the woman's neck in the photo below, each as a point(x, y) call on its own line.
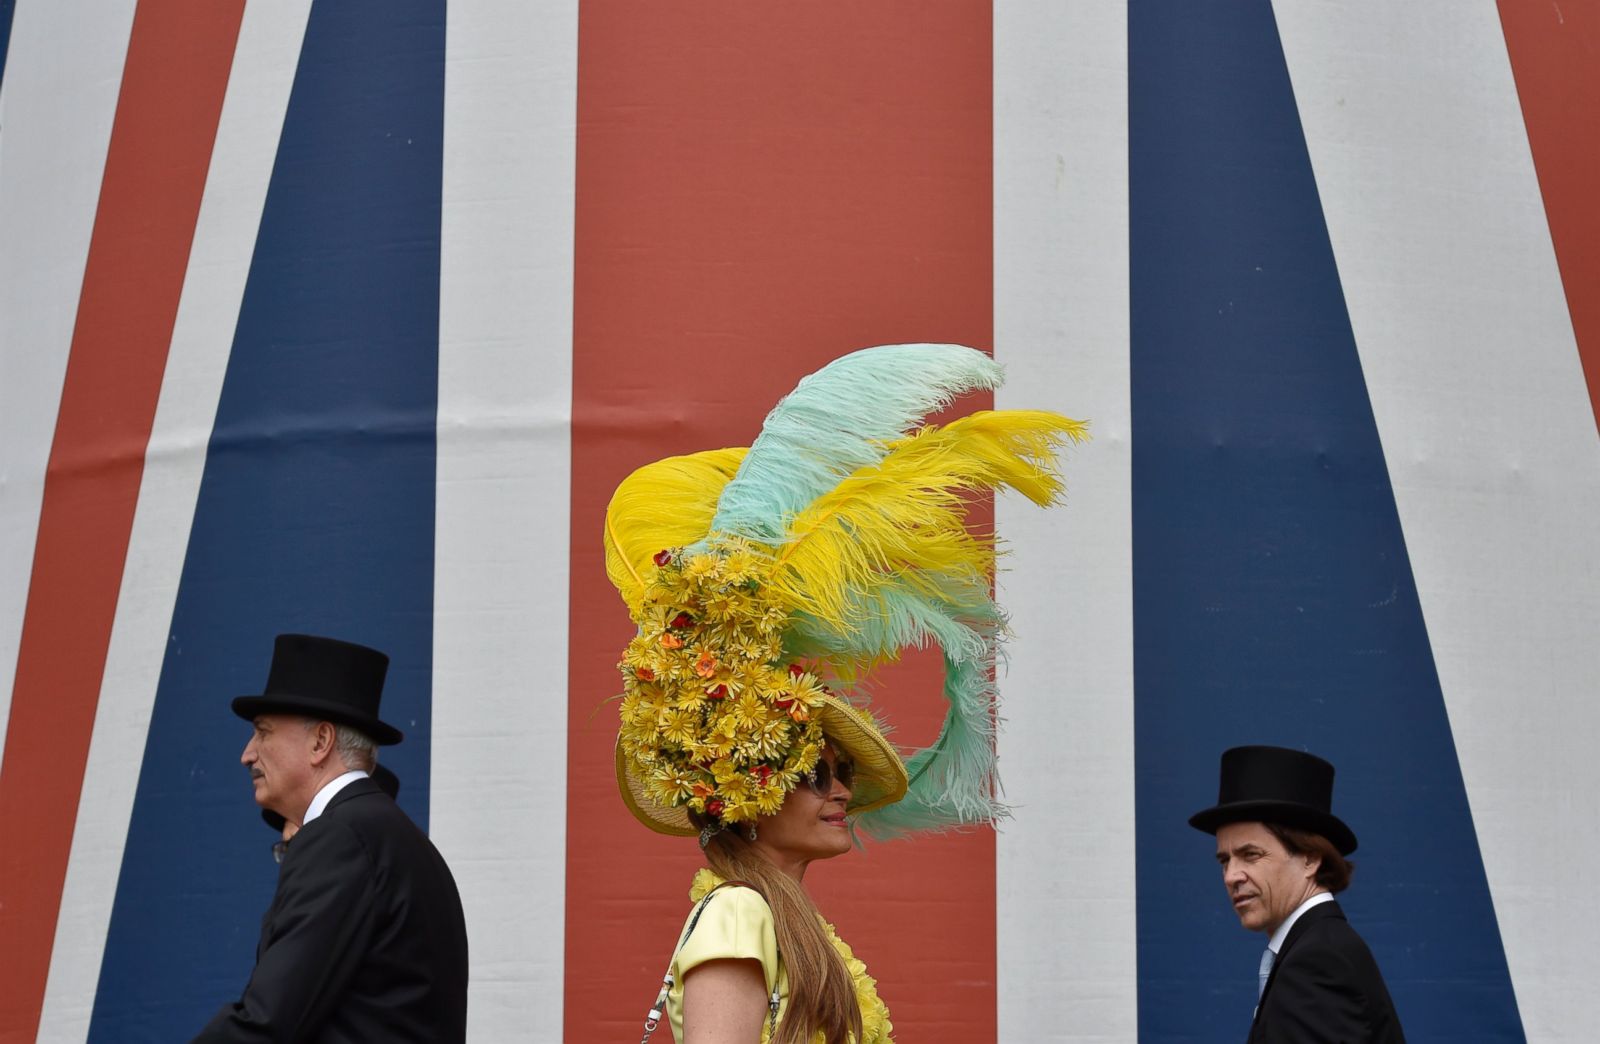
point(789, 865)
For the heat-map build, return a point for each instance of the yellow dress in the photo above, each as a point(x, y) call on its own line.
point(737, 924)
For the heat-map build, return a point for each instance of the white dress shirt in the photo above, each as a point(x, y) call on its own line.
point(319, 804)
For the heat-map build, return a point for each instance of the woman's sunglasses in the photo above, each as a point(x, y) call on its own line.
point(822, 775)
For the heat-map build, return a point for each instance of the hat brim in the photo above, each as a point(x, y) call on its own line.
point(880, 772)
point(1288, 813)
point(251, 707)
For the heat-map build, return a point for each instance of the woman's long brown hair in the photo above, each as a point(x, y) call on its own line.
point(821, 993)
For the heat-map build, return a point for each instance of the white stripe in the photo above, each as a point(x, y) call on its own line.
point(219, 261)
point(501, 552)
point(63, 73)
point(1065, 884)
point(1433, 206)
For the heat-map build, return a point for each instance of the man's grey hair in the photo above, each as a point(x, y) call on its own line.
point(358, 750)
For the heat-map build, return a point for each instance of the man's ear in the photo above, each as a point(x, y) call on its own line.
point(323, 735)
point(1313, 864)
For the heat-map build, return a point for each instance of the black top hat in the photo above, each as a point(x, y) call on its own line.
point(324, 678)
point(1276, 785)
point(381, 775)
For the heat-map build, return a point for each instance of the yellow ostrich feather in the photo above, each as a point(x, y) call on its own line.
point(666, 504)
point(902, 522)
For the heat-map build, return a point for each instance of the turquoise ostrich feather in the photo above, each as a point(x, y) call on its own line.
point(837, 420)
point(953, 782)
point(963, 625)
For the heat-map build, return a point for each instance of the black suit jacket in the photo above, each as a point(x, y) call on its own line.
point(1325, 988)
point(364, 941)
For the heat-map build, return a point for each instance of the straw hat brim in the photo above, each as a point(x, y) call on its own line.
point(880, 773)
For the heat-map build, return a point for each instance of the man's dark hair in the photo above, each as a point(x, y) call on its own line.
point(1334, 873)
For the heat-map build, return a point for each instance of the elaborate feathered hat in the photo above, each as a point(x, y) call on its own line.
point(766, 582)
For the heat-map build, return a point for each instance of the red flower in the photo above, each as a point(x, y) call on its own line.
point(681, 621)
point(795, 670)
point(662, 557)
point(783, 701)
point(717, 692)
point(645, 674)
point(714, 807)
point(763, 773)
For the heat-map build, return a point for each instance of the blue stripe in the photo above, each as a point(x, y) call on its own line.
point(1274, 600)
point(315, 510)
point(7, 9)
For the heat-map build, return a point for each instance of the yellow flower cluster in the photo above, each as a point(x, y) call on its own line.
point(875, 1025)
point(712, 717)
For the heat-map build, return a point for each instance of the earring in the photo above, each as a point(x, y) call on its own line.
point(751, 833)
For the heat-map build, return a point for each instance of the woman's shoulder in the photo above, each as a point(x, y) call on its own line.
point(734, 922)
point(730, 895)
point(718, 902)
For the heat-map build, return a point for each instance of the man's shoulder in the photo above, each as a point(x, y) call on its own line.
point(382, 827)
point(1327, 977)
point(1325, 920)
point(364, 808)
point(362, 798)
point(1324, 928)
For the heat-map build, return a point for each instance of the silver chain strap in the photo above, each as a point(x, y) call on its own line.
point(659, 1008)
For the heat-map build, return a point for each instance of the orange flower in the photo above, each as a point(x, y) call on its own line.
point(671, 641)
point(799, 713)
point(703, 790)
point(706, 665)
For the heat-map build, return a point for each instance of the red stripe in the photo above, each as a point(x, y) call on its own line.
point(1553, 51)
point(179, 55)
point(761, 188)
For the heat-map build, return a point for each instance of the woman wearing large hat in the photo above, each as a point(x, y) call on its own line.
point(764, 583)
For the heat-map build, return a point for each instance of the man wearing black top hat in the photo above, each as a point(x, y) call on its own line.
point(365, 939)
point(1282, 853)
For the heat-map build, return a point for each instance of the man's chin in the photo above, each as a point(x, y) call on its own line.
point(1259, 924)
point(1250, 920)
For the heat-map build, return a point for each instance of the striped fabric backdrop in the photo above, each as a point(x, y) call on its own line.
point(347, 315)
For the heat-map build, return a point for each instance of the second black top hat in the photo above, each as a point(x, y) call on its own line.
point(1276, 785)
point(326, 678)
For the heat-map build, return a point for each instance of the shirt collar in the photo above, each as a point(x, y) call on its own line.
point(319, 804)
point(1276, 942)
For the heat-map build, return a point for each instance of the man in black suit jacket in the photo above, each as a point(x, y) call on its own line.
point(365, 939)
point(1282, 853)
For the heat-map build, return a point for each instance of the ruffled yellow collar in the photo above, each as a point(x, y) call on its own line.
point(875, 1025)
